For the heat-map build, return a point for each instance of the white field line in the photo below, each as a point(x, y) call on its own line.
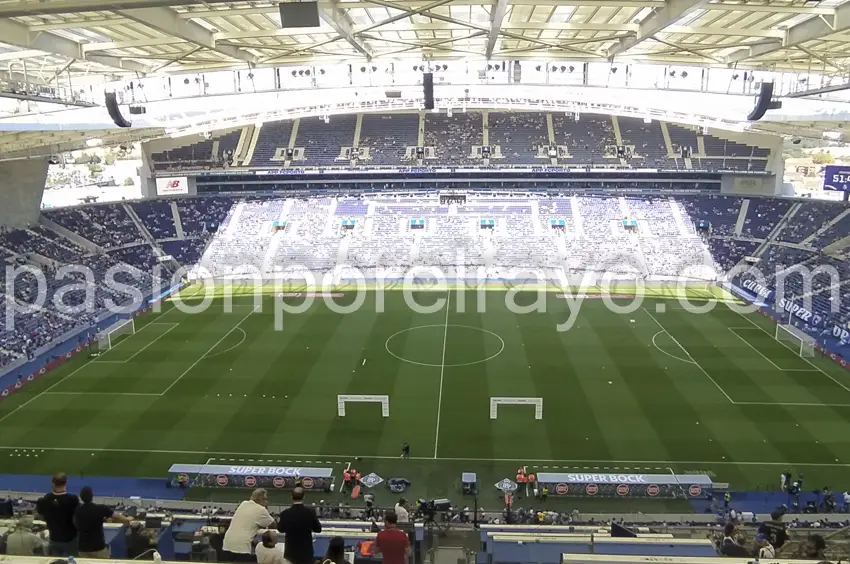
point(792, 404)
point(809, 362)
point(697, 364)
point(442, 372)
point(131, 357)
point(227, 350)
point(35, 397)
point(101, 394)
point(302, 456)
point(749, 344)
point(685, 360)
point(203, 356)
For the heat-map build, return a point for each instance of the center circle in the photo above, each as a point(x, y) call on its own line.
point(435, 337)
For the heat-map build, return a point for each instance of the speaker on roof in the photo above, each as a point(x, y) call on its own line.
point(428, 90)
point(299, 14)
point(764, 102)
point(115, 111)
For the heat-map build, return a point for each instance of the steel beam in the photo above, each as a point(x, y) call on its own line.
point(497, 15)
point(341, 23)
point(656, 22)
point(165, 21)
point(816, 27)
point(19, 35)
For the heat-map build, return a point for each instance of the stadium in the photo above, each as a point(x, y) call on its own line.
point(536, 267)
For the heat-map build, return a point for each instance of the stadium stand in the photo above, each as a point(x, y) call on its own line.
point(454, 137)
point(763, 215)
point(273, 136)
point(672, 235)
point(590, 140)
point(519, 135)
point(387, 136)
point(587, 138)
point(156, 217)
point(648, 142)
point(323, 141)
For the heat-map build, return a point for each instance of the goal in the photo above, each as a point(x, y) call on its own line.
point(495, 402)
point(341, 400)
point(107, 338)
point(796, 339)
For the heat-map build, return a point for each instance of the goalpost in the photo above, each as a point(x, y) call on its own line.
point(383, 400)
point(106, 339)
point(795, 339)
point(495, 402)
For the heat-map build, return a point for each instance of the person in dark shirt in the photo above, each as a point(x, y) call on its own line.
point(138, 543)
point(89, 518)
point(729, 546)
point(774, 531)
point(336, 552)
point(298, 523)
point(57, 509)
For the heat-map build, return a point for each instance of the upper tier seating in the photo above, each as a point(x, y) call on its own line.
point(586, 139)
point(647, 140)
point(387, 136)
point(453, 137)
point(322, 142)
point(274, 135)
point(519, 135)
point(590, 140)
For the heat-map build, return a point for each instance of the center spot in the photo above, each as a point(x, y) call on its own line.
point(464, 345)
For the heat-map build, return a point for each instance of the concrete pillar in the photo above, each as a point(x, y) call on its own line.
point(21, 191)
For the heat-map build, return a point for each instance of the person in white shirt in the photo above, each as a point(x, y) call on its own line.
point(401, 511)
point(250, 518)
point(267, 551)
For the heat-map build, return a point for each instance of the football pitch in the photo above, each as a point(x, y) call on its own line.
point(660, 389)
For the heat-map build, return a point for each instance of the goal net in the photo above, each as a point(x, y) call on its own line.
point(108, 338)
point(796, 339)
point(341, 400)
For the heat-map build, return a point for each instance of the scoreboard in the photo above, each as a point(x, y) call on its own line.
point(836, 178)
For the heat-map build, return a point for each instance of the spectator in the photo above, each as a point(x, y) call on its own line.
point(88, 518)
point(21, 541)
point(401, 511)
point(764, 549)
point(774, 531)
point(138, 542)
point(251, 516)
point(267, 551)
point(814, 547)
point(391, 542)
point(57, 509)
point(298, 523)
point(336, 552)
point(729, 546)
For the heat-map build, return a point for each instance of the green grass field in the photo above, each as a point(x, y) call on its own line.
point(648, 391)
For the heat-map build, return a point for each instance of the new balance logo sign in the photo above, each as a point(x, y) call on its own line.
point(174, 184)
point(371, 480)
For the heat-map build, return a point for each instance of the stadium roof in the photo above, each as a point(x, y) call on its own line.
point(124, 37)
